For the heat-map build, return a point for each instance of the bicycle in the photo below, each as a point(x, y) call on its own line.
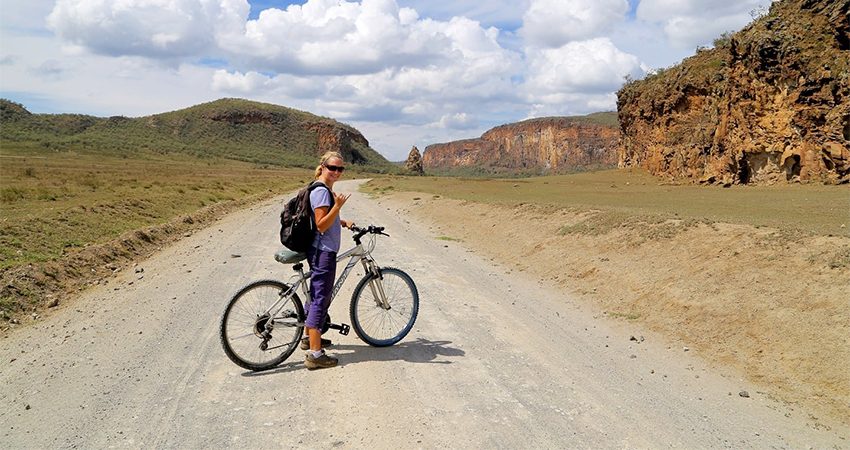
point(264, 321)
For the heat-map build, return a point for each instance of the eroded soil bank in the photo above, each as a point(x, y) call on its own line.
point(752, 301)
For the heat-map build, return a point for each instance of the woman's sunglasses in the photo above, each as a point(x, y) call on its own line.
point(335, 168)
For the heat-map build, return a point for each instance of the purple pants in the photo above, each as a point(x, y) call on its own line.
point(323, 265)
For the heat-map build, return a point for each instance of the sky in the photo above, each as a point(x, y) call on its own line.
point(403, 72)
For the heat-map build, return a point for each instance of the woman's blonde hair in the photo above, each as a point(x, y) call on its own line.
point(323, 160)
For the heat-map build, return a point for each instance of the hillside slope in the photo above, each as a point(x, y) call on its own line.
point(228, 128)
point(535, 146)
point(771, 103)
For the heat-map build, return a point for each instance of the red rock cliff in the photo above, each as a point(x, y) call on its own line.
point(553, 144)
point(335, 138)
point(771, 103)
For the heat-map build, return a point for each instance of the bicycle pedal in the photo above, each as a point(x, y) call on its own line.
point(344, 329)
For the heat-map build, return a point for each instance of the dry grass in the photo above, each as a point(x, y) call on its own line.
point(632, 198)
point(58, 207)
point(54, 205)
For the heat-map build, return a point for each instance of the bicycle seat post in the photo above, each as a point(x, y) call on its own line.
point(299, 269)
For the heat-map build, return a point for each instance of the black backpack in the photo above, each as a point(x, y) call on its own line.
point(297, 227)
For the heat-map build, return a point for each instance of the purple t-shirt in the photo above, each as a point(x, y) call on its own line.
point(329, 240)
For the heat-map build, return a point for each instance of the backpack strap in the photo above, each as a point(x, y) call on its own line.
point(315, 185)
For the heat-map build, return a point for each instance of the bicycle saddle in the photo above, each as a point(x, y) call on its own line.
point(287, 256)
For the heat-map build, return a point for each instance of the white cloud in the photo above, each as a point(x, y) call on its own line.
point(505, 14)
point(236, 82)
point(326, 37)
point(458, 121)
point(689, 23)
point(553, 23)
point(594, 66)
point(150, 28)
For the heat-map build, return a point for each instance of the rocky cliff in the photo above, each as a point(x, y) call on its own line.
point(413, 163)
point(769, 103)
point(546, 145)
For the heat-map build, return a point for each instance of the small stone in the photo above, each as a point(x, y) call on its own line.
point(27, 407)
point(744, 394)
point(140, 270)
point(53, 303)
point(235, 256)
point(686, 349)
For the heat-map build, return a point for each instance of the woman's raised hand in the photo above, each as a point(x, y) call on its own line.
point(340, 199)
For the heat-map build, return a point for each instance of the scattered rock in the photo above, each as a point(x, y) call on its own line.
point(140, 270)
point(744, 394)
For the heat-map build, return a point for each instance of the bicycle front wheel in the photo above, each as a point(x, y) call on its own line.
point(382, 323)
point(257, 336)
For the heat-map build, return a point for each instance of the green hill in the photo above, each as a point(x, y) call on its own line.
point(234, 129)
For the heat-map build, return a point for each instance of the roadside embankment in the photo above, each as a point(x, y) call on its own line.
point(767, 304)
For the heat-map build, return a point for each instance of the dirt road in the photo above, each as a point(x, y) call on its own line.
point(495, 360)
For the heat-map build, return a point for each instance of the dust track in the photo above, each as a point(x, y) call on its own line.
point(495, 360)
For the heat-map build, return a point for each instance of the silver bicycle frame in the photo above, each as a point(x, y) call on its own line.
point(355, 254)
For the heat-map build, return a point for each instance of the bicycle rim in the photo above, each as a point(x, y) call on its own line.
point(375, 324)
point(245, 320)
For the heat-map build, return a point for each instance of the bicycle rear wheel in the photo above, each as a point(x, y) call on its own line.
point(245, 335)
point(379, 326)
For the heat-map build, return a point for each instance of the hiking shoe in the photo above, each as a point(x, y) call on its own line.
point(322, 362)
point(305, 343)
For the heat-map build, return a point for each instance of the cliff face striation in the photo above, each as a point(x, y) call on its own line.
point(770, 103)
point(546, 145)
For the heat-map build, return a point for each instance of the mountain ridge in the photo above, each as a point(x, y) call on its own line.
point(228, 128)
point(542, 145)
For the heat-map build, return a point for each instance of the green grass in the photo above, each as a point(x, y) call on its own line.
point(53, 203)
point(629, 196)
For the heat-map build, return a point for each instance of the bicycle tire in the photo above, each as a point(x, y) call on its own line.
point(375, 325)
point(243, 320)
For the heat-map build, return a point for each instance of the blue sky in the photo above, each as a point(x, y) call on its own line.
point(404, 72)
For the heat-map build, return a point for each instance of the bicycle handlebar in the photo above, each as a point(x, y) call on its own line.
point(371, 229)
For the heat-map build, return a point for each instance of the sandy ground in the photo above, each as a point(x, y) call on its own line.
point(498, 358)
point(754, 302)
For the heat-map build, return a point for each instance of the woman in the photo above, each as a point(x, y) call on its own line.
point(322, 257)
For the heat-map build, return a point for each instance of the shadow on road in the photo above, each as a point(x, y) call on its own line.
point(417, 351)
